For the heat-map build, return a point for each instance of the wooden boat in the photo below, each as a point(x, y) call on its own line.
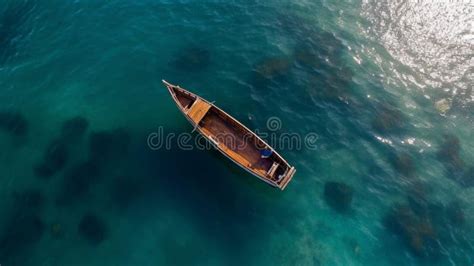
point(232, 138)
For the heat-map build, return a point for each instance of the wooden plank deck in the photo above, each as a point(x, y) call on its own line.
point(198, 110)
point(235, 143)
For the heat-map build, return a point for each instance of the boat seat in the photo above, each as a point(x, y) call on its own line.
point(273, 169)
point(198, 110)
point(287, 176)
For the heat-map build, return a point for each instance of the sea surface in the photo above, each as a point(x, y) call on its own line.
point(385, 86)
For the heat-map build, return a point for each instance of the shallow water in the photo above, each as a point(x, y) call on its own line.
point(387, 89)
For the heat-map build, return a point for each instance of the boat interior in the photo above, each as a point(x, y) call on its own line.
point(232, 137)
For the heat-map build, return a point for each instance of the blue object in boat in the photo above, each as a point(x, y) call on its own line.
point(266, 153)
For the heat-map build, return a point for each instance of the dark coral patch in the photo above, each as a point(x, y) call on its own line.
point(338, 196)
point(31, 200)
point(42, 170)
point(14, 123)
point(404, 164)
point(418, 203)
point(57, 153)
point(329, 77)
point(428, 229)
point(388, 119)
point(417, 232)
point(321, 46)
point(449, 153)
point(308, 57)
point(54, 159)
point(329, 88)
point(77, 182)
point(106, 145)
point(271, 68)
point(192, 58)
point(326, 43)
point(92, 228)
point(74, 128)
point(20, 233)
point(467, 179)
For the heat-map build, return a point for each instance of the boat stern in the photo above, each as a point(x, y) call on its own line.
point(287, 178)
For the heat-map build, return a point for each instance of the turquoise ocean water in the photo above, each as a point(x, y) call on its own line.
point(386, 87)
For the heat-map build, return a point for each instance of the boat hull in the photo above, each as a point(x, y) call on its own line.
point(210, 121)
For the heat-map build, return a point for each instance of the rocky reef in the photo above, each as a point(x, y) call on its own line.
point(192, 58)
point(404, 164)
point(24, 226)
point(273, 67)
point(92, 228)
point(13, 122)
point(449, 154)
point(54, 159)
point(388, 119)
point(105, 145)
point(77, 182)
point(29, 200)
point(417, 232)
point(467, 179)
point(427, 228)
point(338, 196)
point(56, 154)
point(20, 234)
